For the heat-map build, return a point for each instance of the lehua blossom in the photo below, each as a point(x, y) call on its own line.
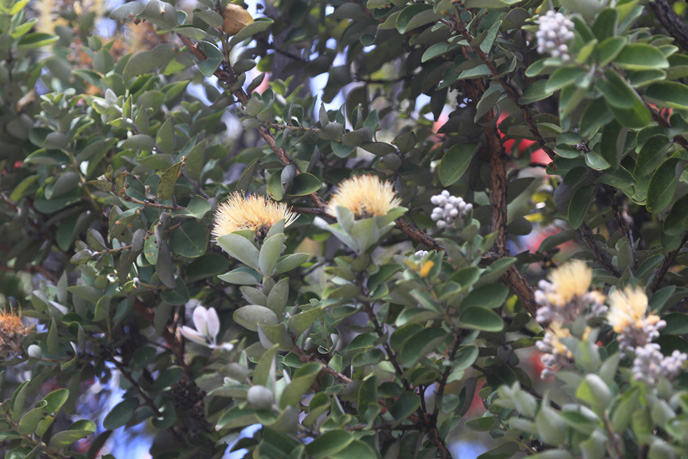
point(207, 325)
point(629, 319)
point(253, 212)
point(555, 354)
point(365, 196)
point(12, 331)
point(566, 295)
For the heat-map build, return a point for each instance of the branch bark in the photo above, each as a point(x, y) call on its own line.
point(674, 25)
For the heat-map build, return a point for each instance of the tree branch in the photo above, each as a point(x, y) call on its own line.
point(602, 257)
point(674, 25)
point(666, 263)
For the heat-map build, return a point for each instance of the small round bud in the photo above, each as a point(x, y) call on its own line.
point(260, 397)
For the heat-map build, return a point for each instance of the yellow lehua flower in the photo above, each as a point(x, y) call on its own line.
point(12, 331)
point(253, 212)
point(557, 333)
point(628, 308)
point(570, 281)
point(365, 196)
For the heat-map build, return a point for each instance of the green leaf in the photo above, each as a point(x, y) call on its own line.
point(168, 181)
point(299, 385)
point(177, 296)
point(250, 316)
point(241, 276)
point(676, 221)
point(612, 143)
point(237, 417)
point(616, 91)
point(481, 319)
point(668, 94)
point(258, 26)
point(35, 40)
point(147, 61)
point(288, 262)
point(455, 162)
point(406, 404)
point(138, 142)
point(165, 137)
point(67, 437)
point(579, 204)
point(534, 92)
point(190, 239)
point(677, 323)
point(651, 155)
point(420, 345)
point(299, 323)
point(329, 443)
point(151, 246)
point(240, 248)
point(609, 49)
point(28, 422)
point(407, 19)
point(550, 427)
point(486, 296)
point(465, 357)
point(641, 56)
point(563, 77)
point(662, 186)
point(214, 57)
point(120, 414)
point(594, 392)
point(127, 12)
point(304, 184)
point(278, 296)
point(605, 24)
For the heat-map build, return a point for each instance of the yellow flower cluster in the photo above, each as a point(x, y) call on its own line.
point(12, 331)
point(365, 196)
point(253, 212)
point(569, 281)
point(566, 296)
point(628, 309)
point(555, 339)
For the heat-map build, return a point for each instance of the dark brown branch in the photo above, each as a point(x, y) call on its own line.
point(510, 91)
point(521, 288)
point(674, 25)
point(601, 256)
point(666, 263)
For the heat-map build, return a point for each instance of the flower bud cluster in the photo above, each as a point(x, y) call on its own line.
point(555, 355)
point(421, 253)
point(646, 331)
point(650, 365)
point(554, 32)
point(449, 209)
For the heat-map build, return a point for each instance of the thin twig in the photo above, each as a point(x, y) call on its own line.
point(666, 263)
point(602, 257)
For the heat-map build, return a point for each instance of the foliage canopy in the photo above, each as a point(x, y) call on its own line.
point(344, 221)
